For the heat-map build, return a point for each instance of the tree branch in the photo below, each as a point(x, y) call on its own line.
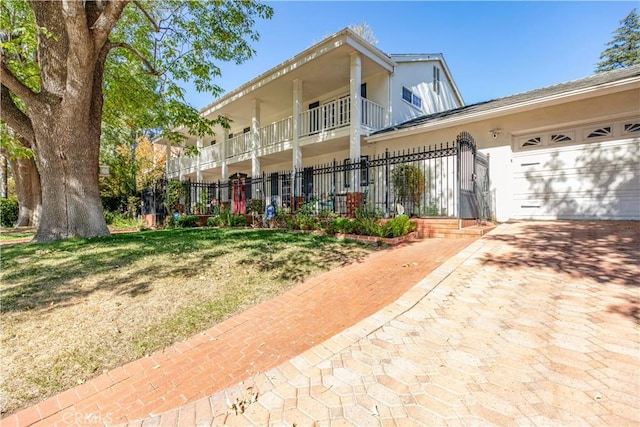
point(14, 117)
point(75, 20)
point(137, 53)
point(147, 15)
point(106, 21)
point(8, 79)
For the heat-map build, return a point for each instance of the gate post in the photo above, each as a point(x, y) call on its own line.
point(459, 176)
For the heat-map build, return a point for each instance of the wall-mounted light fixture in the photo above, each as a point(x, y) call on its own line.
point(495, 132)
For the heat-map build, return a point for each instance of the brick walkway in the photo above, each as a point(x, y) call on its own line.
point(535, 324)
point(243, 346)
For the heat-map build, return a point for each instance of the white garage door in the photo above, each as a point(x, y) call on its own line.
point(578, 174)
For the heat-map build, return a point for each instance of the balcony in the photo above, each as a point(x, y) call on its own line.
point(327, 117)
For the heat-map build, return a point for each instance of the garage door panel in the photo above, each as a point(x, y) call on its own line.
point(587, 181)
point(604, 180)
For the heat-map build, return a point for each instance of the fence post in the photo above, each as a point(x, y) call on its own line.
point(335, 167)
point(387, 189)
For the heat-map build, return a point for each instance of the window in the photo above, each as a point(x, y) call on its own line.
point(532, 142)
point(407, 95)
point(600, 132)
point(631, 127)
point(411, 97)
point(560, 137)
point(436, 80)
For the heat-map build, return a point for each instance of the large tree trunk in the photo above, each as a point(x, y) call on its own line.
point(63, 119)
point(67, 152)
point(27, 180)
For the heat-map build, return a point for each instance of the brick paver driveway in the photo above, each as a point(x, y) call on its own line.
point(536, 323)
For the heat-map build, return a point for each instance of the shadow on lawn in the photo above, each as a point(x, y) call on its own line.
point(607, 252)
point(55, 286)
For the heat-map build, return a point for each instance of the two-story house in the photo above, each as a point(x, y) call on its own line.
point(315, 107)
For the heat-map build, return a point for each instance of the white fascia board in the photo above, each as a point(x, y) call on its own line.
point(370, 51)
point(345, 36)
point(556, 99)
point(451, 81)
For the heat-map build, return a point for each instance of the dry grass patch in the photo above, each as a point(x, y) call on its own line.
point(71, 310)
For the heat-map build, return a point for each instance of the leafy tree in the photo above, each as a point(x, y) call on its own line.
point(408, 182)
point(132, 167)
point(624, 50)
point(65, 64)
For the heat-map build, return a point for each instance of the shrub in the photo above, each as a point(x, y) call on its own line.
point(214, 221)
point(340, 225)
point(187, 221)
point(120, 220)
point(398, 226)
point(8, 212)
point(255, 206)
point(237, 220)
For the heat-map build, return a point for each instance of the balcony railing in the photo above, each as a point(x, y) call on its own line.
point(329, 116)
point(277, 132)
point(326, 117)
point(372, 114)
point(210, 154)
point(238, 145)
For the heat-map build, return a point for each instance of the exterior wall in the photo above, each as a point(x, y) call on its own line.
point(418, 77)
point(595, 110)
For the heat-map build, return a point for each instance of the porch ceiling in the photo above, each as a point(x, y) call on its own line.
point(321, 72)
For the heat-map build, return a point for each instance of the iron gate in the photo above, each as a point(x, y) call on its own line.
point(473, 180)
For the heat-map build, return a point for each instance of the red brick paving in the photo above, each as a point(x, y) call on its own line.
point(535, 324)
point(243, 346)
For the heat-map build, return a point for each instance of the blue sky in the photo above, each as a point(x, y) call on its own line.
point(493, 49)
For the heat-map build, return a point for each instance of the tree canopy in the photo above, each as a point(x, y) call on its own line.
point(71, 67)
point(624, 49)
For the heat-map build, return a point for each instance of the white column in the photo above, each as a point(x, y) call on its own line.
point(223, 154)
point(297, 110)
point(199, 144)
point(255, 139)
point(388, 107)
point(355, 80)
point(180, 171)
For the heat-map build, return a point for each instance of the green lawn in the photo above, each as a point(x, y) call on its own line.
point(73, 309)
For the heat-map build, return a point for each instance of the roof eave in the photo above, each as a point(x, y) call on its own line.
point(546, 101)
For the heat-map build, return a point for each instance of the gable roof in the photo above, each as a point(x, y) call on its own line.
point(521, 100)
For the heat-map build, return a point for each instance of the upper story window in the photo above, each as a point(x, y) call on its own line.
point(411, 97)
point(436, 80)
point(406, 94)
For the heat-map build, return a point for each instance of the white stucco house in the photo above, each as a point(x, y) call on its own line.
point(567, 151)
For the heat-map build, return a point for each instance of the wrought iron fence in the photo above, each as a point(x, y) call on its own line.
point(445, 180)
